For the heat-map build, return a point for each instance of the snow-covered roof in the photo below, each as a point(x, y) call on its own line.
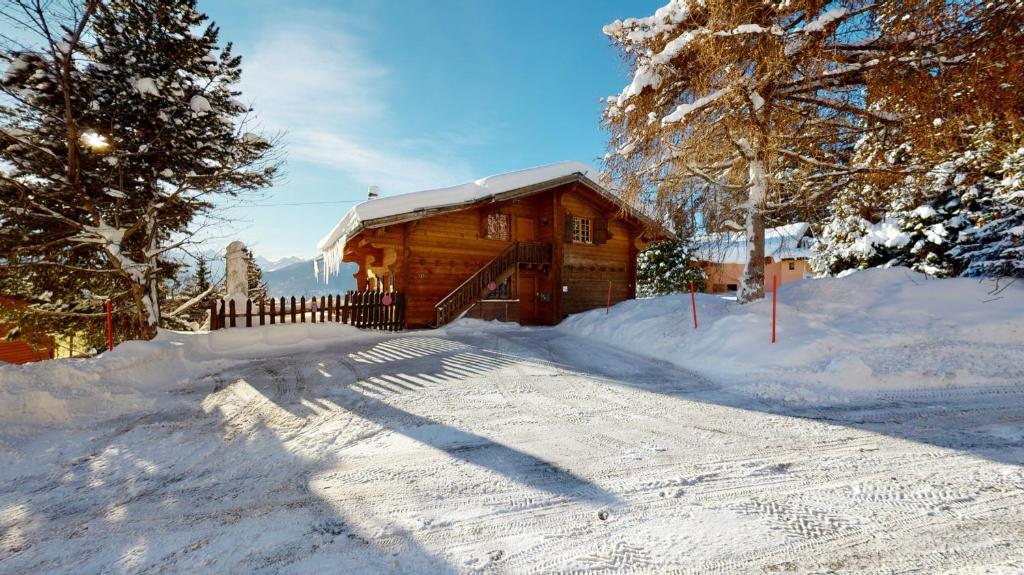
point(420, 204)
point(780, 243)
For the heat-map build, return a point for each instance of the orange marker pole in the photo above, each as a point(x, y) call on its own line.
point(775, 296)
point(693, 304)
point(110, 326)
point(608, 307)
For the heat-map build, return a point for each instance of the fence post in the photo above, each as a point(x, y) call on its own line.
point(322, 309)
point(273, 310)
point(263, 310)
point(775, 296)
point(231, 312)
point(293, 309)
point(346, 311)
point(213, 315)
point(693, 304)
point(248, 313)
point(110, 325)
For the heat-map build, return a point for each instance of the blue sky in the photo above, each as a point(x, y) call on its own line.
point(413, 95)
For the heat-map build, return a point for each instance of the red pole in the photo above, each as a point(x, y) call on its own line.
point(775, 296)
point(693, 303)
point(110, 326)
point(608, 307)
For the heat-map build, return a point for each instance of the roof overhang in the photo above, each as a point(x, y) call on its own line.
point(657, 230)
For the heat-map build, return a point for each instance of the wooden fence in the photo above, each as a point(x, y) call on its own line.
point(368, 309)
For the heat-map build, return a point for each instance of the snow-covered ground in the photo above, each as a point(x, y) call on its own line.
point(874, 334)
point(486, 448)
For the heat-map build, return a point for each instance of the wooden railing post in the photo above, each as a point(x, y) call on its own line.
point(293, 309)
point(302, 309)
point(272, 310)
point(263, 310)
point(231, 312)
point(248, 313)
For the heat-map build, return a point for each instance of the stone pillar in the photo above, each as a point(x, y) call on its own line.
point(237, 273)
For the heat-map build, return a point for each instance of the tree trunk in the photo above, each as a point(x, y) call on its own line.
point(752, 281)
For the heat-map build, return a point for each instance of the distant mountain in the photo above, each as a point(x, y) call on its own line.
point(297, 279)
point(274, 265)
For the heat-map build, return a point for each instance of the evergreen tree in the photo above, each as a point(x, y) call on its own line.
point(964, 216)
point(257, 285)
point(667, 267)
point(120, 145)
point(201, 278)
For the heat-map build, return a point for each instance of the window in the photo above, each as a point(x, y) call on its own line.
point(499, 227)
point(792, 265)
point(582, 230)
point(731, 287)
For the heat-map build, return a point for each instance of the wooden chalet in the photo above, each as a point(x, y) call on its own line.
point(25, 348)
point(532, 246)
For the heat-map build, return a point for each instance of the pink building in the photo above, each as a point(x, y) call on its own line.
point(787, 250)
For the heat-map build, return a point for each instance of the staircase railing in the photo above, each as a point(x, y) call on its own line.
point(534, 253)
point(497, 270)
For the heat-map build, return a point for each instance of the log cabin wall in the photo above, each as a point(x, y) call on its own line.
point(587, 268)
point(430, 257)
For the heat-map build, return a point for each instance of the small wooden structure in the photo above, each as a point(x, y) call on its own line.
point(531, 246)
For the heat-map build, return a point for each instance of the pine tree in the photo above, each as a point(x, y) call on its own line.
point(964, 216)
point(201, 278)
point(257, 285)
point(752, 100)
point(667, 267)
point(761, 109)
point(120, 172)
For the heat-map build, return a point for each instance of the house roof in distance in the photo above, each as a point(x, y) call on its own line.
point(780, 243)
point(416, 205)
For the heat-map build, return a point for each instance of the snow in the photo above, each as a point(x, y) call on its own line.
point(681, 111)
point(780, 243)
point(136, 375)
point(199, 104)
point(839, 339)
point(487, 448)
point(824, 19)
point(146, 86)
point(333, 245)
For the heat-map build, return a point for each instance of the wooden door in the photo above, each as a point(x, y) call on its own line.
point(527, 297)
point(526, 229)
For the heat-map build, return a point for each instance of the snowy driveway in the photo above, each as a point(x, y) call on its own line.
point(512, 451)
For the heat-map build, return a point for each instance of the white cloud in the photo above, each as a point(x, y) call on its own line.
point(319, 85)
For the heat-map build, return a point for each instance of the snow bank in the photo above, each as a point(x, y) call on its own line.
point(839, 340)
point(137, 375)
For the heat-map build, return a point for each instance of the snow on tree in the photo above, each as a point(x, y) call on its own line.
point(965, 216)
point(117, 149)
point(753, 99)
point(763, 104)
point(667, 267)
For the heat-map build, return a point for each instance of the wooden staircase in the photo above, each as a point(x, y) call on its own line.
point(471, 291)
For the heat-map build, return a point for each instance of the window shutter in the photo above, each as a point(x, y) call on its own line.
point(601, 231)
point(567, 230)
